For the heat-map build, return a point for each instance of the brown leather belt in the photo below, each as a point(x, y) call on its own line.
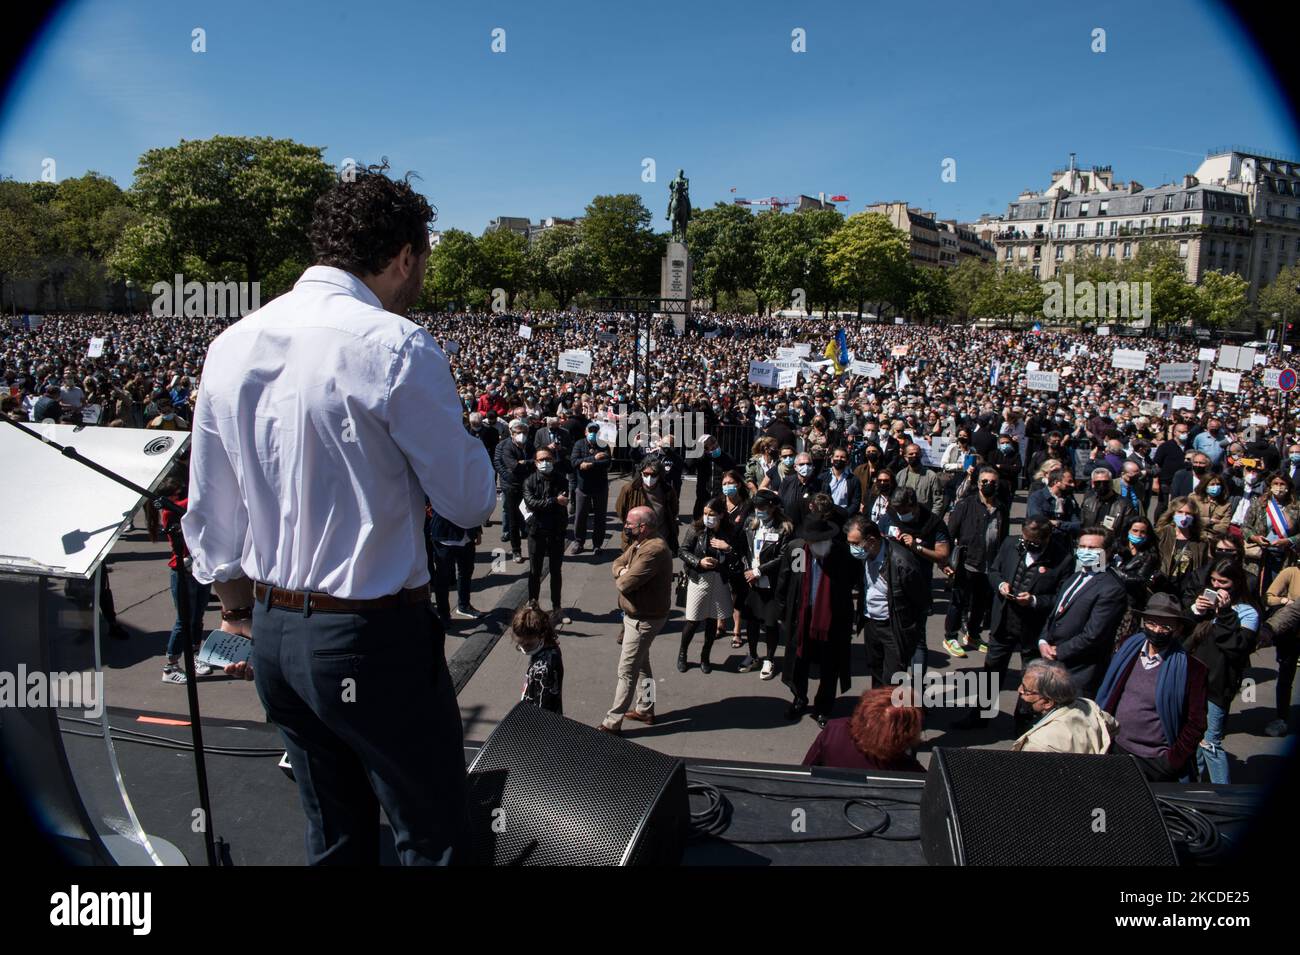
point(324, 603)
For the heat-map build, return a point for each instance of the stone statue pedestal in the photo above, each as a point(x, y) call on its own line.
point(675, 281)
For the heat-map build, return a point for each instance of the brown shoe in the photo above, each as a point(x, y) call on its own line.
point(616, 731)
point(641, 716)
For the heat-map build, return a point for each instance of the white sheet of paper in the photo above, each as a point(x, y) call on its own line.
point(222, 649)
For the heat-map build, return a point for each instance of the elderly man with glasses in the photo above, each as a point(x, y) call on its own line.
point(1067, 722)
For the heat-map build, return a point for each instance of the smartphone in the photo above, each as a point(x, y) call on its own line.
point(1211, 595)
point(968, 462)
point(894, 531)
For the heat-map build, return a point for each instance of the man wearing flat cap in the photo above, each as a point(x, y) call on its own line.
point(1157, 692)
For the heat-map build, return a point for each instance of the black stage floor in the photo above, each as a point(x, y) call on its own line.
point(781, 815)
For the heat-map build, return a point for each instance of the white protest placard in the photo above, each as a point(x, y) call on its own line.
point(1260, 420)
point(763, 373)
point(451, 348)
point(933, 452)
point(1229, 381)
point(866, 369)
point(1206, 354)
point(1032, 366)
point(96, 348)
point(525, 332)
point(608, 436)
point(90, 414)
point(1067, 371)
point(804, 351)
point(899, 320)
point(1261, 359)
point(1043, 381)
point(575, 361)
point(1129, 358)
point(898, 351)
point(611, 338)
point(1171, 372)
point(1184, 401)
point(714, 333)
point(1271, 376)
point(1103, 329)
point(787, 354)
point(1151, 408)
point(787, 378)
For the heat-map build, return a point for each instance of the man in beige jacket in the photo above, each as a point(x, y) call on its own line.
point(1067, 723)
point(643, 575)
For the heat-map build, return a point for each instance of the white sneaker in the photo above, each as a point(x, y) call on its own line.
point(747, 664)
point(173, 674)
point(1276, 728)
point(202, 669)
point(769, 670)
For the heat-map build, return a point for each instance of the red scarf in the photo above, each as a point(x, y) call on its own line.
point(815, 609)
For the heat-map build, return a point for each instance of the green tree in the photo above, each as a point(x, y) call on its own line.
point(782, 258)
point(240, 205)
point(868, 259)
point(1221, 299)
point(965, 282)
point(562, 263)
point(456, 270)
point(930, 294)
point(1173, 298)
point(723, 244)
point(19, 239)
point(505, 261)
point(1280, 297)
point(616, 232)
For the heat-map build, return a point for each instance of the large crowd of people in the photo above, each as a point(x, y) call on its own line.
point(1162, 524)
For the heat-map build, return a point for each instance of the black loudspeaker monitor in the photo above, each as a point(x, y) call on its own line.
point(996, 807)
point(545, 790)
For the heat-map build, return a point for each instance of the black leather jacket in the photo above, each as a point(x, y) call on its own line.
point(1140, 573)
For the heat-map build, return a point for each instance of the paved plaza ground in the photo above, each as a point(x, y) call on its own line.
point(724, 714)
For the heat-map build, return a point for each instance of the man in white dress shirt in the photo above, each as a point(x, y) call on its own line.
point(323, 421)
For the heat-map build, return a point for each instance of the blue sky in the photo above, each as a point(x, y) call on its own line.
point(586, 90)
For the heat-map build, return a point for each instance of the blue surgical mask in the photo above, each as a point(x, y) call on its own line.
point(1004, 448)
point(763, 516)
point(1135, 540)
point(1183, 520)
point(905, 518)
point(729, 490)
point(592, 435)
point(804, 470)
point(787, 461)
point(1089, 557)
point(1215, 490)
point(1295, 458)
point(715, 453)
point(858, 551)
point(545, 466)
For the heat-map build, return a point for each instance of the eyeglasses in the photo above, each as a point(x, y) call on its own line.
point(1025, 691)
point(1159, 629)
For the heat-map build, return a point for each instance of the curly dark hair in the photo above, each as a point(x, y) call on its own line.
point(361, 223)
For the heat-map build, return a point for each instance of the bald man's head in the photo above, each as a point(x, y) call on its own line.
point(640, 523)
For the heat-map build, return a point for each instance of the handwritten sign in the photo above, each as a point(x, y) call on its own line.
point(1043, 381)
point(1128, 358)
point(96, 348)
point(763, 373)
point(577, 362)
point(525, 332)
point(222, 649)
point(866, 369)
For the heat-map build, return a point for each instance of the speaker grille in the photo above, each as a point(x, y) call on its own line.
point(1005, 808)
point(569, 794)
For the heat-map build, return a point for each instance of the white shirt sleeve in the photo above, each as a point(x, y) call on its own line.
point(216, 522)
point(424, 419)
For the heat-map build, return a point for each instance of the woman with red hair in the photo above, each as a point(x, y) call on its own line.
point(881, 734)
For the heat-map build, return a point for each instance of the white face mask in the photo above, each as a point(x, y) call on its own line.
point(649, 480)
point(710, 521)
point(517, 438)
point(1090, 558)
point(545, 467)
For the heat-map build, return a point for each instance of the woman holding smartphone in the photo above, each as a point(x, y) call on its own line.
point(1223, 640)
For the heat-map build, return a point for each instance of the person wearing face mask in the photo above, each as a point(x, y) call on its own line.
point(890, 597)
point(1179, 535)
point(875, 505)
point(513, 465)
point(534, 635)
point(914, 474)
point(1103, 506)
point(1186, 480)
point(815, 606)
point(708, 556)
point(652, 491)
point(867, 471)
point(167, 418)
point(1291, 465)
point(590, 462)
point(1086, 613)
point(1217, 503)
point(1225, 635)
point(1212, 442)
point(709, 469)
point(643, 576)
point(797, 491)
point(1136, 562)
point(547, 499)
point(844, 489)
point(1007, 460)
point(1157, 692)
point(1272, 529)
point(977, 528)
point(766, 534)
point(952, 464)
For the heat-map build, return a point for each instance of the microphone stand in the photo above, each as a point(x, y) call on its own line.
point(161, 502)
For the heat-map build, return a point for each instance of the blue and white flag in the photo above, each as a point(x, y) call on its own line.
point(993, 374)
